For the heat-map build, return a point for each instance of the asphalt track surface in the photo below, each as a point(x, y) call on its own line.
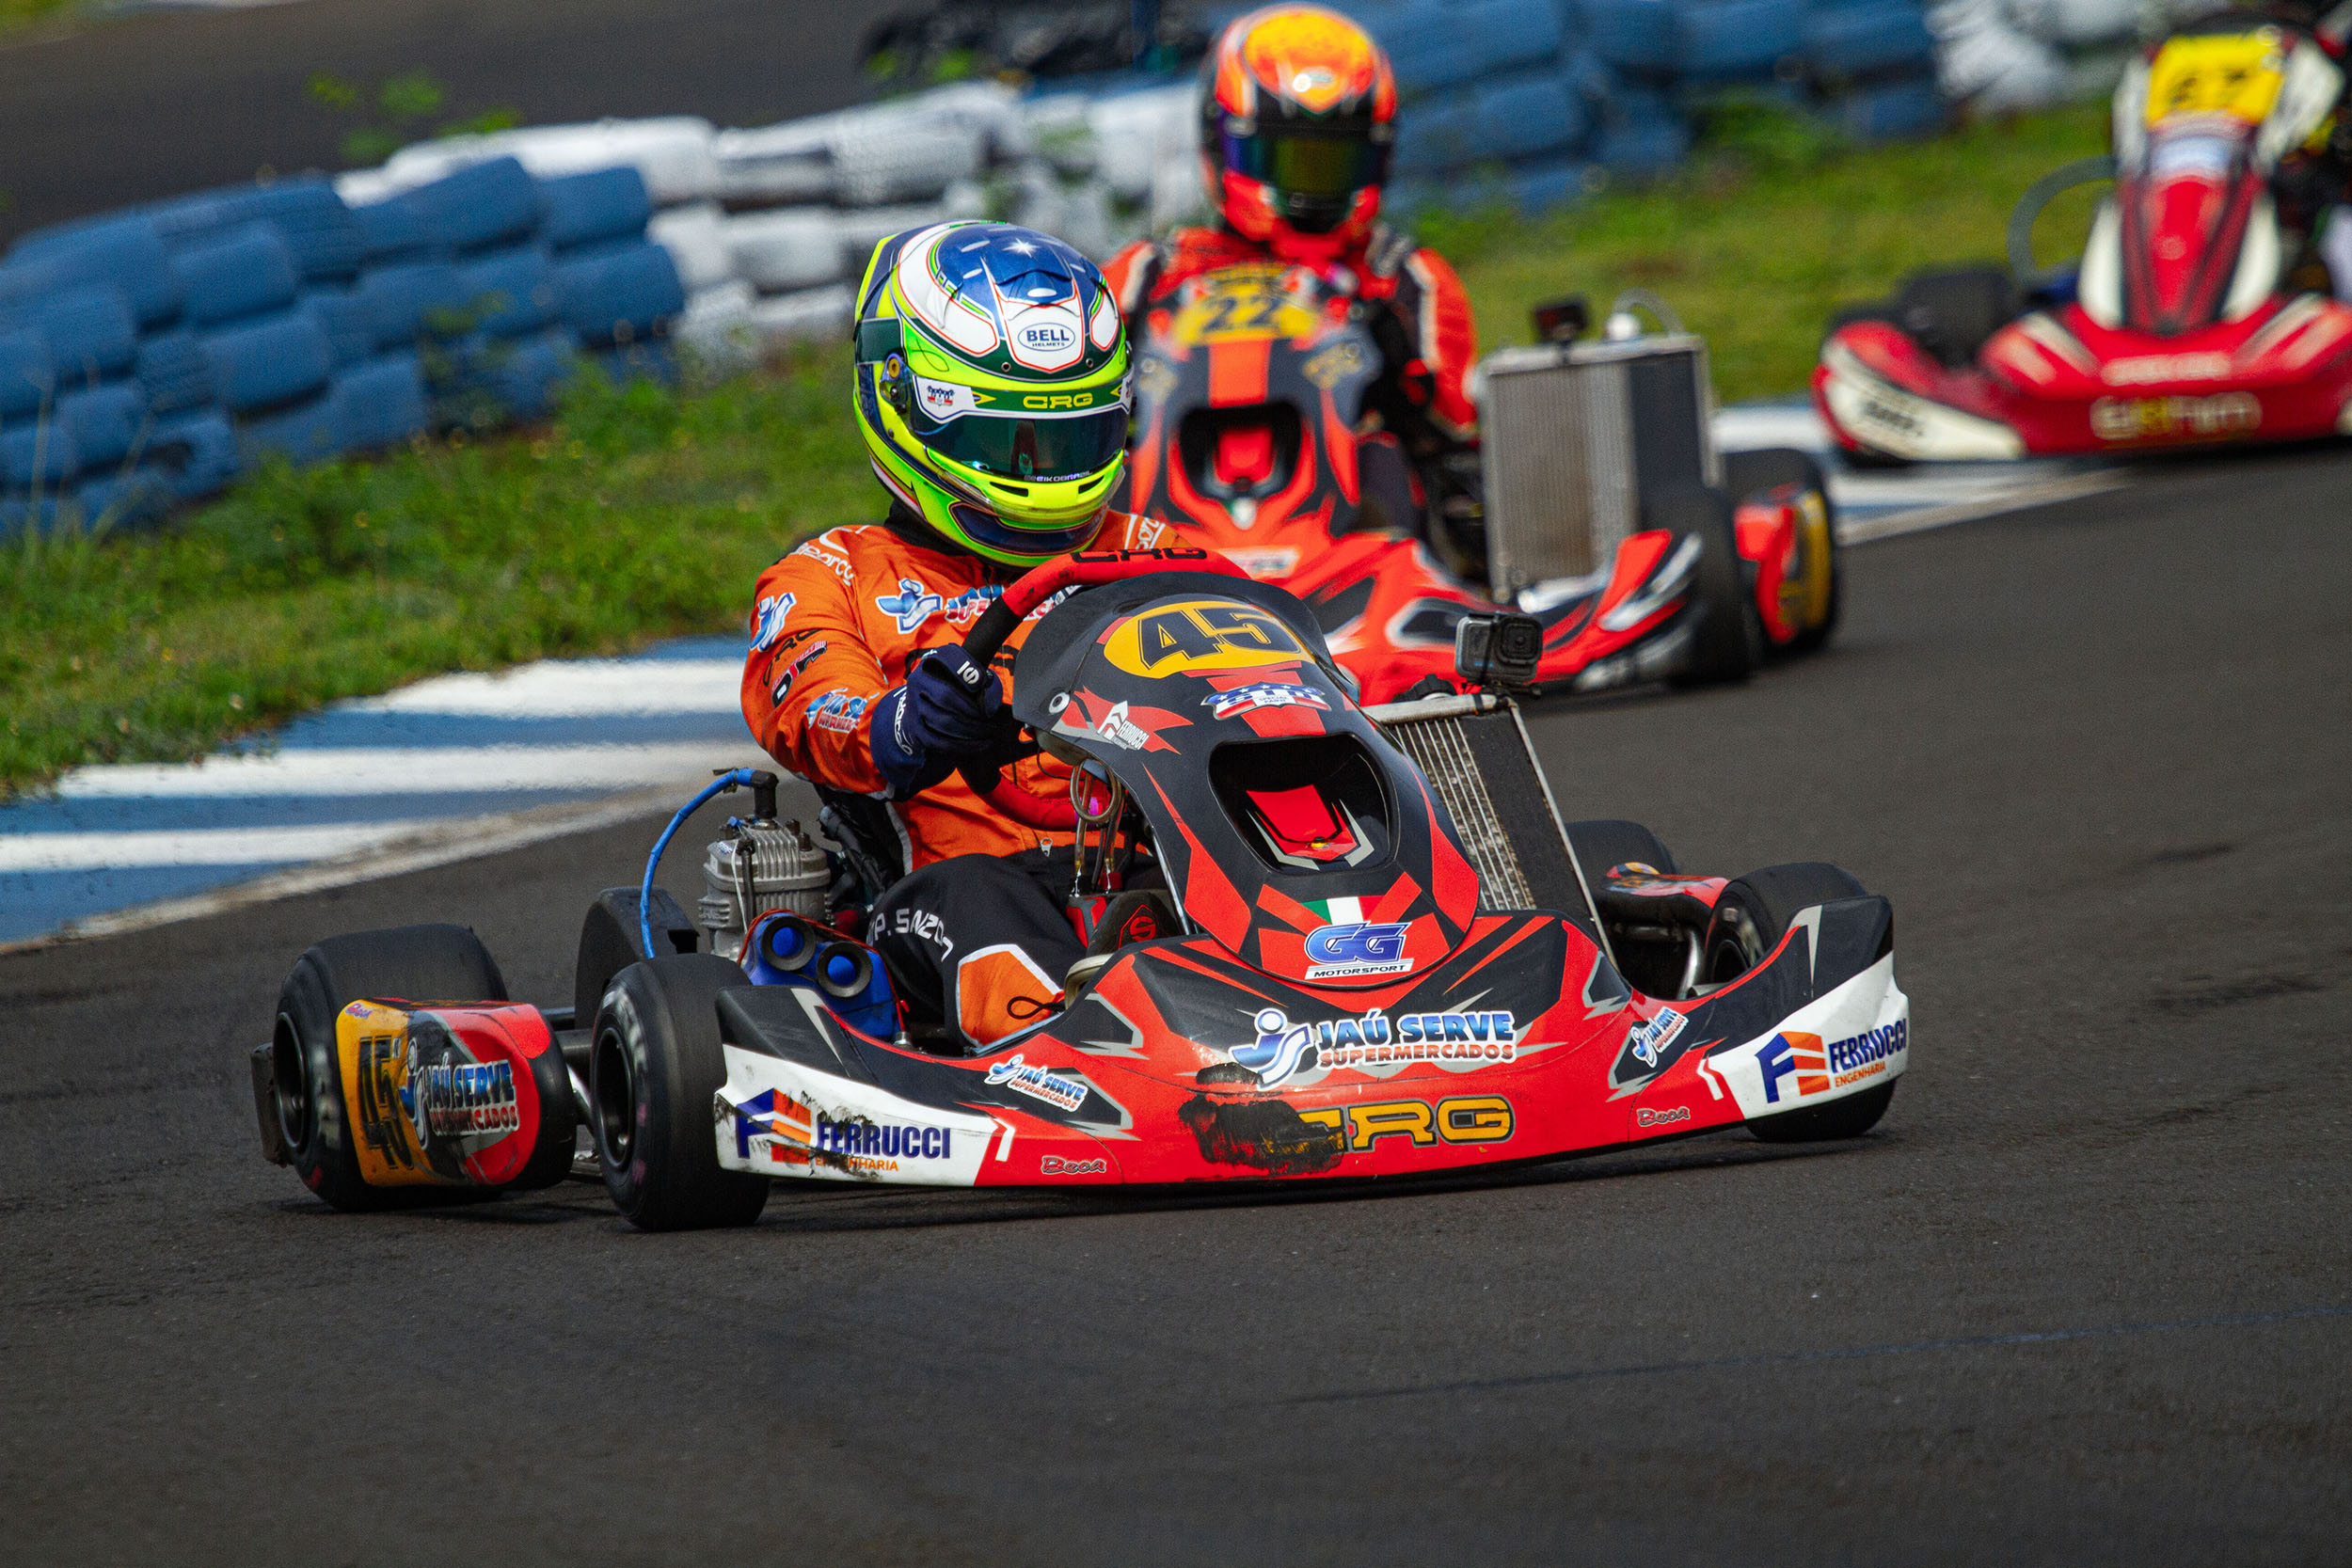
point(158, 104)
point(2083, 1297)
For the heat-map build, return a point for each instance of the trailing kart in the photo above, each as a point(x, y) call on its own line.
point(1597, 502)
point(1325, 943)
point(2199, 315)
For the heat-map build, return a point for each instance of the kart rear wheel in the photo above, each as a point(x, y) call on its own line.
point(1752, 915)
point(1728, 641)
point(415, 963)
point(1753, 473)
point(656, 1066)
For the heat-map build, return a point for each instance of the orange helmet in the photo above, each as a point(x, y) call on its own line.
point(1299, 110)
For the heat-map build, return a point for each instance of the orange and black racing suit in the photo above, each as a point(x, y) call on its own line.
point(975, 935)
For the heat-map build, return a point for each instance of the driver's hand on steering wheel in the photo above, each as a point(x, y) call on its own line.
point(949, 712)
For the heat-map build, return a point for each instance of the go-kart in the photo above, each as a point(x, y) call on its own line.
point(1325, 943)
point(2199, 314)
point(1596, 503)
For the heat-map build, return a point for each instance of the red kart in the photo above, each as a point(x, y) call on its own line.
point(2200, 312)
point(1620, 534)
point(1327, 944)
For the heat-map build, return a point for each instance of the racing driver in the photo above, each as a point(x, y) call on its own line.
point(991, 387)
point(1298, 111)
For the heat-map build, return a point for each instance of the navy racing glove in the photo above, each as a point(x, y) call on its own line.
point(949, 712)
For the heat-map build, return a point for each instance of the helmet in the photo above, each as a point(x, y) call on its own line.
point(1299, 110)
point(992, 387)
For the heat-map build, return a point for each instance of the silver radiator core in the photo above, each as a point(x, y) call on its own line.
point(1437, 746)
point(1569, 435)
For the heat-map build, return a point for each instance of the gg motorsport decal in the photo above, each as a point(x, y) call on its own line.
point(1283, 1048)
point(1347, 944)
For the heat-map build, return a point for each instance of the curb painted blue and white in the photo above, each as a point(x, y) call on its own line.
point(467, 765)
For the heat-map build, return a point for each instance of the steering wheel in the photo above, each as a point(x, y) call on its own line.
point(1086, 569)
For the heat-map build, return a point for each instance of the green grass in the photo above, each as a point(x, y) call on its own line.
point(639, 514)
point(16, 15)
point(1763, 238)
point(643, 513)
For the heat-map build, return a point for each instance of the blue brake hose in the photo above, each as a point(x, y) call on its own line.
point(741, 777)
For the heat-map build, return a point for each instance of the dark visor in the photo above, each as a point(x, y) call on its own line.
point(1311, 161)
point(1039, 450)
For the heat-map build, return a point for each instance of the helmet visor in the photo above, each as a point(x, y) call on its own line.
point(1326, 161)
point(1028, 449)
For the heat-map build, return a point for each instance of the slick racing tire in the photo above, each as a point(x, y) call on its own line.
point(1752, 915)
point(415, 963)
point(1753, 473)
point(1728, 641)
point(1606, 843)
point(655, 1067)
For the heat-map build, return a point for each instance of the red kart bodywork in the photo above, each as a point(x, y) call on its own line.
point(2184, 331)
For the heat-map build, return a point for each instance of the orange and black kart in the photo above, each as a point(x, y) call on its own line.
point(1368, 949)
point(1605, 513)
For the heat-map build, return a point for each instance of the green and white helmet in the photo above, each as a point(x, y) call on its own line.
point(992, 387)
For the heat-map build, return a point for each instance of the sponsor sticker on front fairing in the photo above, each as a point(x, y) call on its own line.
point(1242, 699)
point(1038, 1082)
point(1360, 947)
point(1369, 1040)
point(1054, 1165)
point(1651, 1038)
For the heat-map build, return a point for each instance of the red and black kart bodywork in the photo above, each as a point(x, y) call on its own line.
point(1250, 389)
point(1342, 996)
point(2186, 328)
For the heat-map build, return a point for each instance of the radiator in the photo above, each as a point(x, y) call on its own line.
point(1474, 752)
point(1570, 437)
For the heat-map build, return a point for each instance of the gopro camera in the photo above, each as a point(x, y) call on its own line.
point(1498, 650)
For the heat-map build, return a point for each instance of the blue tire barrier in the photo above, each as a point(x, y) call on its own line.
point(1590, 79)
point(39, 451)
point(602, 204)
point(135, 500)
point(174, 372)
point(325, 240)
point(1542, 183)
point(409, 300)
point(1719, 40)
point(1510, 33)
point(126, 252)
point(1425, 42)
point(1649, 138)
point(381, 402)
point(274, 361)
point(28, 379)
point(511, 292)
point(109, 424)
point(301, 433)
point(480, 207)
point(1633, 35)
point(391, 231)
point(196, 449)
point(517, 379)
point(88, 331)
point(1439, 134)
point(20, 516)
point(237, 273)
point(619, 295)
point(1844, 41)
point(349, 324)
point(1896, 111)
point(1521, 116)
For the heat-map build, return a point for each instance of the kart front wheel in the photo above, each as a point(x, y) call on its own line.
point(1819, 574)
point(656, 1069)
point(1752, 915)
point(410, 963)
